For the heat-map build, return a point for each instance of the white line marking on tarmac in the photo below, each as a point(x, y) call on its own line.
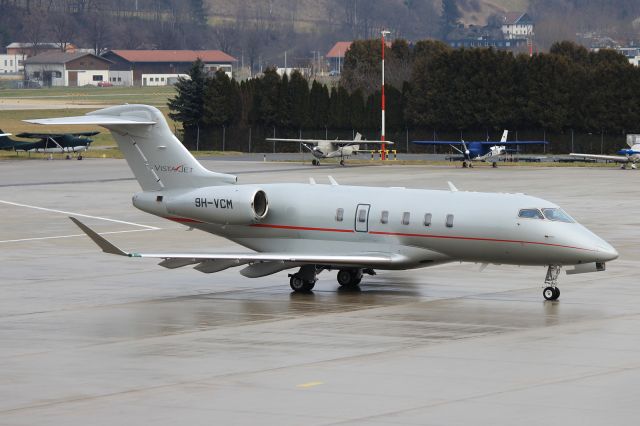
point(78, 214)
point(74, 235)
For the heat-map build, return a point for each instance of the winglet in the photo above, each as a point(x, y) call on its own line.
point(105, 245)
point(452, 187)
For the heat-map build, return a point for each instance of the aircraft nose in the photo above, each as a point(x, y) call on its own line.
point(606, 252)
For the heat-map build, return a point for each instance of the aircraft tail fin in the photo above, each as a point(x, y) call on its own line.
point(505, 134)
point(358, 137)
point(632, 140)
point(157, 158)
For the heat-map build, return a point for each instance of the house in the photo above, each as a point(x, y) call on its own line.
point(31, 49)
point(162, 67)
point(336, 55)
point(517, 25)
point(11, 64)
point(67, 69)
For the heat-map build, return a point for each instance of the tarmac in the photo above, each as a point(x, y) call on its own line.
point(90, 338)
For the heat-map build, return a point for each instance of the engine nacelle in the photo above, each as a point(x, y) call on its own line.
point(224, 205)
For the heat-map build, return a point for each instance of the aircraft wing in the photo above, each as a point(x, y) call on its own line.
point(342, 142)
point(5, 134)
point(616, 158)
point(439, 142)
point(262, 263)
point(518, 143)
point(482, 142)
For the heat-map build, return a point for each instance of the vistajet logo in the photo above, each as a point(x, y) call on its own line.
point(173, 169)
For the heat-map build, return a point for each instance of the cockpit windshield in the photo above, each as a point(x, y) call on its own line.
point(530, 214)
point(557, 215)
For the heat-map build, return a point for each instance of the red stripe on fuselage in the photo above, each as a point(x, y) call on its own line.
point(183, 220)
point(493, 240)
point(400, 234)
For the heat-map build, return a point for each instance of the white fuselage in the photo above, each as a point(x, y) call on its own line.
point(327, 149)
point(485, 226)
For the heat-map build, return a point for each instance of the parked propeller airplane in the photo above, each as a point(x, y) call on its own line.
point(49, 142)
point(313, 227)
point(327, 148)
point(627, 156)
point(488, 151)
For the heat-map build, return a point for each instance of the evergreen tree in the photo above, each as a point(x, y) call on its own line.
point(266, 99)
point(319, 105)
point(285, 103)
point(299, 93)
point(188, 105)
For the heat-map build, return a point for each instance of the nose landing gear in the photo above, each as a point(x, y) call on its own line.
point(551, 291)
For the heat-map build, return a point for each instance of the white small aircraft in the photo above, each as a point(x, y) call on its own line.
point(627, 156)
point(353, 229)
point(326, 148)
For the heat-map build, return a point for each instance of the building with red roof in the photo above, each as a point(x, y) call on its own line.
point(162, 67)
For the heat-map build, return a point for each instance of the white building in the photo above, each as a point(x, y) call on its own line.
point(517, 25)
point(67, 69)
point(11, 64)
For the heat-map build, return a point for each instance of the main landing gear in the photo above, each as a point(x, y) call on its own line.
point(467, 164)
point(349, 278)
point(305, 279)
point(551, 291)
point(315, 162)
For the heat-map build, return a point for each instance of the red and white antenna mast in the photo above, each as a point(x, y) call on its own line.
point(382, 134)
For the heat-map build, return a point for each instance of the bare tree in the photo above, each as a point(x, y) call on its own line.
point(63, 29)
point(34, 30)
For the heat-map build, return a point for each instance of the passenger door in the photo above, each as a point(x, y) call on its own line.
point(362, 218)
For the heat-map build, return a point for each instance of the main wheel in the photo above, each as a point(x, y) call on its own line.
point(551, 293)
point(464, 164)
point(494, 165)
point(314, 162)
point(79, 157)
point(299, 285)
point(342, 162)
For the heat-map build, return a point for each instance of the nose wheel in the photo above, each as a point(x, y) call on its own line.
point(551, 291)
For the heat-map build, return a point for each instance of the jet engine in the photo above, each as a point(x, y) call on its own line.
point(224, 205)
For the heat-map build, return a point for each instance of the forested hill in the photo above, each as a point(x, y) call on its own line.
point(259, 31)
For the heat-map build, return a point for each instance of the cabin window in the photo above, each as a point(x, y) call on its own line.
point(427, 219)
point(339, 215)
point(97, 78)
point(362, 215)
point(557, 215)
point(405, 218)
point(530, 214)
point(384, 218)
point(449, 221)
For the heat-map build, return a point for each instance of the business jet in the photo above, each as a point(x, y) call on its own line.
point(487, 151)
point(316, 227)
point(326, 148)
point(626, 156)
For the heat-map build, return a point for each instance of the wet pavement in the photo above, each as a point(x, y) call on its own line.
point(88, 338)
